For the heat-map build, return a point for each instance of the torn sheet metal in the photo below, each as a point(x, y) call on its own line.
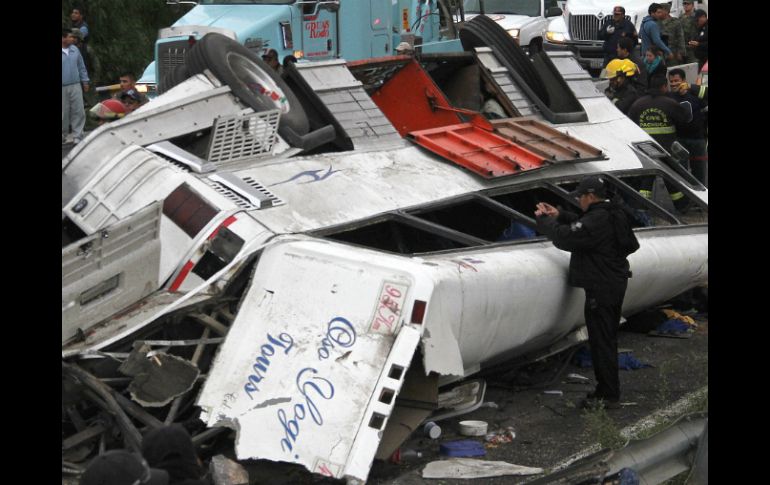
point(472, 468)
point(315, 383)
point(159, 378)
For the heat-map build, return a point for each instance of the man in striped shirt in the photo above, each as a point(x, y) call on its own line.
point(73, 75)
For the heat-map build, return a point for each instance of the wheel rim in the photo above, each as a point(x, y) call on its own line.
point(258, 81)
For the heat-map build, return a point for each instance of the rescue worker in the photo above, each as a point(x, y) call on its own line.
point(108, 110)
point(691, 135)
point(621, 91)
point(658, 115)
point(599, 243)
point(613, 29)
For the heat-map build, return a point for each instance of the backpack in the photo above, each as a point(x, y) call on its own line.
point(624, 235)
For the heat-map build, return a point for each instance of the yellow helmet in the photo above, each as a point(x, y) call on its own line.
point(617, 66)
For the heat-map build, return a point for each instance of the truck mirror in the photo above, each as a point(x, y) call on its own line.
point(553, 12)
point(331, 6)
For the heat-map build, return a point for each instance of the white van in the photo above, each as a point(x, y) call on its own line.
point(525, 20)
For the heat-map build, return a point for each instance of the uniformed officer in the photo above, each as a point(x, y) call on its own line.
point(599, 241)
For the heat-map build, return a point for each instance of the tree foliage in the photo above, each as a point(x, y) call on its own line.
point(122, 34)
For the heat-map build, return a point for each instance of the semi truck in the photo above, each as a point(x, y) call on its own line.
point(307, 29)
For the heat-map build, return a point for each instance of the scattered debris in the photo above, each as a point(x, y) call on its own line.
point(462, 399)
point(470, 468)
point(432, 430)
point(554, 392)
point(399, 456)
point(462, 448)
point(159, 378)
point(578, 379)
point(626, 361)
point(673, 328)
point(495, 438)
point(473, 428)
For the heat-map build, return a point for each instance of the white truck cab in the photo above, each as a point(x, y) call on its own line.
point(525, 20)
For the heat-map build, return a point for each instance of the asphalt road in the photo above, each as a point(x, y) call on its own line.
point(551, 428)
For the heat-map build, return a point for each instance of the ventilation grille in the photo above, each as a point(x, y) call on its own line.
point(246, 193)
point(234, 196)
point(239, 137)
point(272, 198)
point(586, 27)
point(170, 55)
point(175, 163)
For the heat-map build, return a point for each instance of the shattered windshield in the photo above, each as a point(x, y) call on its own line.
point(243, 2)
point(530, 8)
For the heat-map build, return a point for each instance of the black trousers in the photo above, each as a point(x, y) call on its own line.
point(602, 314)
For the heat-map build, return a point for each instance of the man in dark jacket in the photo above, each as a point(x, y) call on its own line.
point(599, 241)
point(659, 115)
point(701, 42)
point(613, 29)
point(691, 135)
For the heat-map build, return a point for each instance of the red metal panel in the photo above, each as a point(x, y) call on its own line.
point(408, 100)
point(478, 150)
point(549, 142)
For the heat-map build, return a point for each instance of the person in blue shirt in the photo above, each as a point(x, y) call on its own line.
point(649, 32)
point(73, 76)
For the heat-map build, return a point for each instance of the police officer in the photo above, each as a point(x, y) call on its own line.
point(599, 241)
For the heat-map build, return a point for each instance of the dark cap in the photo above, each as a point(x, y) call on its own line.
point(593, 184)
point(131, 94)
point(119, 467)
point(700, 13)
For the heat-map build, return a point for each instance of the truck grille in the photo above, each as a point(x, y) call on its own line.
point(170, 55)
point(586, 27)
